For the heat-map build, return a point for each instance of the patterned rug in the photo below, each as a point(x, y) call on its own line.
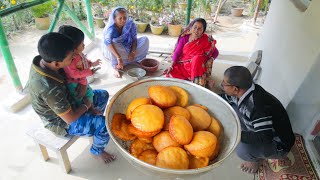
point(299, 167)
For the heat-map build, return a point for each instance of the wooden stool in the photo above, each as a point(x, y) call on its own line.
point(46, 139)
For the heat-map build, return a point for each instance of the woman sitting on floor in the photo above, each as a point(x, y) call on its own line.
point(193, 55)
point(120, 42)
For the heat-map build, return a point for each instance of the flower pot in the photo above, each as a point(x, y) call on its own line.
point(174, 30)
point(42, 23)
point(141, 26)
point(157, 30)
point(237, 12)
point(100, 22)
point(183, 5)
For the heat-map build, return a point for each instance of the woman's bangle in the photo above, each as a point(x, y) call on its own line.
point(133, 52)
point(86, 107)
point(119, 58)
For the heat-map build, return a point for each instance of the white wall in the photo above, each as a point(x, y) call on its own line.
point(290, 40)
point(305, 105)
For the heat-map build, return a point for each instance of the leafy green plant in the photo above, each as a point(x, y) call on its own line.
point(173, 18)
point(263, 6)
point(97, 10)
point(104, 2)
point(143, 17)
point(158, 19)
point(43, 10)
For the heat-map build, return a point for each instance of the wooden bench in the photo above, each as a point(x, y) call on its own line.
point(46, 139)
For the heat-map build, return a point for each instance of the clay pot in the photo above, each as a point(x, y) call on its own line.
point(174, 30)
point(141, 26)
point(183, 5)
point(150, 65)
point(42, 23)
point(100, 21)
point(237, 12)
point(157, 30)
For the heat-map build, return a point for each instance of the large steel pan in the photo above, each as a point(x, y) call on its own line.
point(197, 94)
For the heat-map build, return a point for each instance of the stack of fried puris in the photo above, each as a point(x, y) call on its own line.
point(168, 132)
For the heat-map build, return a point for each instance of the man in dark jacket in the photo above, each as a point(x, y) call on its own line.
point(266, 131)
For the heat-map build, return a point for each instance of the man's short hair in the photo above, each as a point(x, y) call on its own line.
point(75, 34)
point(239, 76)
point(54, 47)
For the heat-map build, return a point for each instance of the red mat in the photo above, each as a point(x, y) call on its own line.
point(298, 168)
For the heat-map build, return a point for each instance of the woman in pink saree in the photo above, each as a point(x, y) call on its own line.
point(193, 55)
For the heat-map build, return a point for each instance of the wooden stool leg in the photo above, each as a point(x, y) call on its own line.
point(64, 160)
point(44, 152)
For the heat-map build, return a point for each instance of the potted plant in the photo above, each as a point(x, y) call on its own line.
point(140, 14)
point(174, 21)
point(41, 14)
point(157, 25)
point(237, 9)
point(98, 14)
point(183, 4)
point(142, 21)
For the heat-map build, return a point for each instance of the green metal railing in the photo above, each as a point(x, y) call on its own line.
point(188, 12)
point(4, 45)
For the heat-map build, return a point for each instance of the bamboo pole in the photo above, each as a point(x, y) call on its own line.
point(256, 11)
point(4, 45)
point(217, 11)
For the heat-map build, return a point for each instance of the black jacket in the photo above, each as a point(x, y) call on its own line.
point(267, 120)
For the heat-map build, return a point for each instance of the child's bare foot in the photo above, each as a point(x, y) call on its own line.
point(250, 167)
point(106, 157)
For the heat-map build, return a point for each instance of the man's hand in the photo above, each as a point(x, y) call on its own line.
point(81, 90)
point(96, 63)
point(131, 56)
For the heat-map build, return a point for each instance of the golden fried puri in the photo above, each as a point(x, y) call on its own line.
point(146, 139)
point(200, 119)
point(173, 158)
point(149, 156)
point(147, 118)
point(216, 152)
point(180, 129)
point(215, 127)
point(198, 162)
point(175, 110)
point(203, 144)
point(162, 96)
point(163, 140)
point(201, 106)
point(141, 134)
point(138, 146)
point(135, 103)
point(182, 96)
point(119, 126)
